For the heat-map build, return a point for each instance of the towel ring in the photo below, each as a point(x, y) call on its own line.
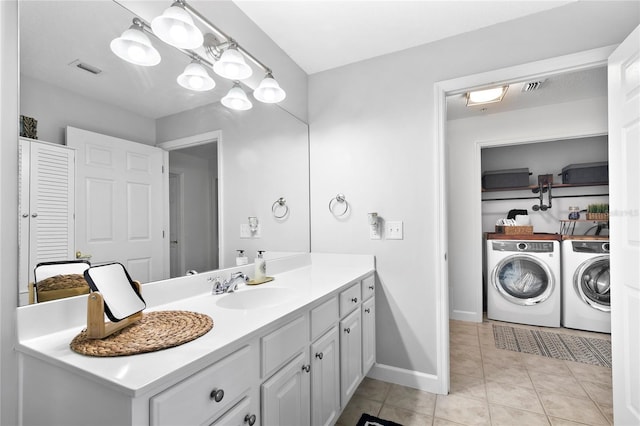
point(280, 204)
point(338, 199)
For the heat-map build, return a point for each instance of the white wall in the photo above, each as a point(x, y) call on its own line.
point(565, 120)
point(57, 108)
point(372, 138)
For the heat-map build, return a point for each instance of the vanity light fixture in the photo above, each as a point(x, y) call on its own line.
point(227, 58)
point(135, 47)
point(237, 99)
point(195, 77)
point(269, 91)
point(175, 27)
point(486, 96)
point(232, 65)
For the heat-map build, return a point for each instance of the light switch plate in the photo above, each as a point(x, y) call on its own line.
point(394, 230)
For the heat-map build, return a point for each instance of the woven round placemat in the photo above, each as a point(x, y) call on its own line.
point(155, 331)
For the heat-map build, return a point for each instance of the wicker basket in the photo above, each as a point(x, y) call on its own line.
point(598, 216)
point(514, 230)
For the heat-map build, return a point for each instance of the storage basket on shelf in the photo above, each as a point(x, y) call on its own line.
point(514, 230)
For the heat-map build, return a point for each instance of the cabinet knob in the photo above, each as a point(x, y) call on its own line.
point(34, 214)
point(306, 368)
point(217, 395)
point(354, 300)
point(250, 419)
point(347, 330)
point(367, 310)
point(371, 287)
point(319, 355)
point(25, 214)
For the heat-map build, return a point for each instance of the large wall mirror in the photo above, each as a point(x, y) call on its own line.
point(224, 166)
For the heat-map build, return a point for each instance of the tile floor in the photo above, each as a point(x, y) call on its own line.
point(492, 386)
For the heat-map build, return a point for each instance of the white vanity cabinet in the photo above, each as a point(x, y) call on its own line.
point(368, 324)
point(325, 378)
point(350, 342)
point(286, 395)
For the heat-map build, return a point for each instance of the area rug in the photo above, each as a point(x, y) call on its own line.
point(586, 350)
point(368, 420)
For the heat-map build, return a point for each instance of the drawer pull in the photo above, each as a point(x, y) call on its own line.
point(250, 419)
point(347, 330)
point(371, 287)
point(367, 310)
point(354, 300)
point(306, 368)
point(319, 355)
point(217, 395)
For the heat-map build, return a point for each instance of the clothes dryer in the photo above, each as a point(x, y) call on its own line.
point(524, 281)
point(585, 285)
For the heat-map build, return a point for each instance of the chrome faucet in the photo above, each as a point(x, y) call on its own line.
point(230, 285)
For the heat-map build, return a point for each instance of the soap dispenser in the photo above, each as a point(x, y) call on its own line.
point(241, 258)
point(260, 266)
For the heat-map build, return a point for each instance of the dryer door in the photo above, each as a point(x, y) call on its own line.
point(591, 281)
point(523, 279)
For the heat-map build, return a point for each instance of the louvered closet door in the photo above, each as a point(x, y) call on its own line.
point(51, 203)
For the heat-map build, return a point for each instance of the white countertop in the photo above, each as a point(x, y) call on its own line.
point(45, 330)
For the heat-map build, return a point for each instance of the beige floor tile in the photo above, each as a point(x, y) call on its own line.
point(599, 392)
point(411, 399)
point(501, 357)
point(508, 416)
point(373, 389)
point(467, 411)
point(514, 396)
point(469, 386)
point(404, 417)
point(574, 409)
point(592, 373)
point(468, 365)
point(443, 422)
point(543, 364)
point(504, 373)
point(607, 411)
point(355, 408)
point(551, 383)
point(464, 339)
point(563, 422)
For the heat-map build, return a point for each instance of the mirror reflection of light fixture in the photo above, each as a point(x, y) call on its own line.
point(195, 77)
point(135, 47)
point(175, 27)
point(486, 96)
point(232, 65)
point(269, 91)
point(237, 99)
point(253, 224)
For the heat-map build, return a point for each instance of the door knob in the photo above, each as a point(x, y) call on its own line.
point(174, 241)
point(80, 255)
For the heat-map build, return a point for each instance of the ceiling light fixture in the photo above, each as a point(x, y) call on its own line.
point(195, 77)
point(135, 47)
point(486, 96)
point(176, 27)
point(237, 99)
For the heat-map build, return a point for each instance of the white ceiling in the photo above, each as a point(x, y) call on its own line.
point(320, 35)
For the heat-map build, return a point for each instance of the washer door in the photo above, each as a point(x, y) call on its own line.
point(591, 282)
point(523, 279)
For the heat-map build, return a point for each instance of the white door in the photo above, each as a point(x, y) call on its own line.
point(624, 198)
point(120, 203)
point(175, 225)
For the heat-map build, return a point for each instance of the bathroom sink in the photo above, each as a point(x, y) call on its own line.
point(255, 298)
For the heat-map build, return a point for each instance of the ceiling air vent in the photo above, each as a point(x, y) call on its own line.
point(532, 85)
point(85, 67)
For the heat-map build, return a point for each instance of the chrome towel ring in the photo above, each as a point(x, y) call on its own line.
point(280, 209)
point(338, 199)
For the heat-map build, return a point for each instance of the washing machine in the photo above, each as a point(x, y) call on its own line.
point(585, 284)
point(524, 280)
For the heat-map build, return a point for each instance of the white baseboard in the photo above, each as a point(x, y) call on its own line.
point(465, 316)
point(400, 376)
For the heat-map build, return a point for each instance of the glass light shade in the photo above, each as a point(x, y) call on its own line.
point(237, 99)
point(175, 27)
point(231, 65)
point(486, 96)
point(195, 77)
point(134, 46)
point(269, 91)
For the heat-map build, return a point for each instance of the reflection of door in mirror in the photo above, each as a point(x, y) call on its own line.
point(120, 201)
point(175, 219)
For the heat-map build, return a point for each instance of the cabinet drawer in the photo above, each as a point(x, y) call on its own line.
point(192, 401)
point(349, 299)
point(323, 316)
point(368, 287)
point(282, 344)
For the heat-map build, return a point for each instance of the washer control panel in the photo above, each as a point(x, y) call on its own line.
point(594, 247)
point(524, 246)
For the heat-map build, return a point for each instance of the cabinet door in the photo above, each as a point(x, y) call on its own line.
point(245, 413)
point(325, 379)
point(350, 355)
point(368, 335)
point(286, 395)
